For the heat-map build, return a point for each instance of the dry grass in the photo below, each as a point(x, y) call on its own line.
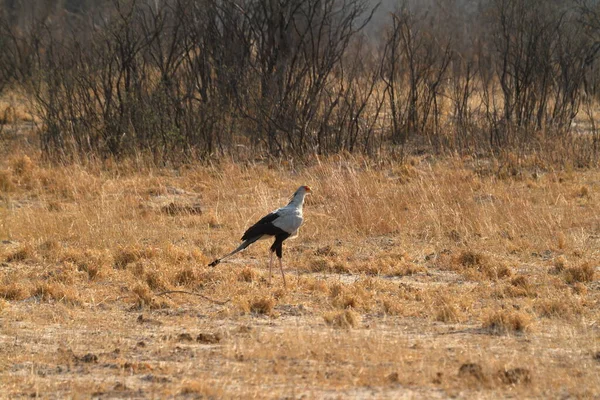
point(504, 321)
point(14, 109)
point(437, 278)
point(342, 319)
point(582, 273)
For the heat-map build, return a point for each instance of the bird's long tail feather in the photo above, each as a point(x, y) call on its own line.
point(241, 247)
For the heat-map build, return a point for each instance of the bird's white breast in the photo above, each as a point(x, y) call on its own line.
point(289, 219)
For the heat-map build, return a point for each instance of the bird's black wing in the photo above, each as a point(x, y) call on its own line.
point(263, 227)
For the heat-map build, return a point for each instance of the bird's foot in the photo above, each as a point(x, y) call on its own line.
point(212, 264)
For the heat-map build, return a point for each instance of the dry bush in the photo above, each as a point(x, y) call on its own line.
point(185, 277)
point(353, 296)
point(176, 255)
point(14, 291)
point(583, 273)
point(262, 305)
point(25, 252)
point(14, 108)
point(145, 298)
point(517, 287)
point(315, 285)
point(347, 301)
point(468, 258)
point(326, 264)
point(340, 267)
point(564, 307)
point(320, 264)
point(390, 266)
point(558, 266)
point(247, 274)
point(22, 165)
point(579, 289)
point(406, 268)
point(336, 290)
point(94, 271)
point(446, 310)
point(325, 251)
point(561, 241)
point(126, 256)
point(6, 182)
point(88, 261)
point(342, 319)
point(447, 313)
point(201, 389)
point(211, 277)
point(282, 292)
point(154, 273)
point(503, 322)
point(65, 273)
point(156, 280)
point(514, 376)
point(372, 268)
point(51, 249)
point(477, 266)
point(55, 291)
point(522, 282)
point(472, 372)
point(583, 191)
point(392, 306)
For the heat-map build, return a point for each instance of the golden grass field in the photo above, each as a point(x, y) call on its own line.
point(436, 278)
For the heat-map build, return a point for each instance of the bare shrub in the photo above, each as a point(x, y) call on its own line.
point(583, 273)
point(563, 308)
point(144, 297)
point(262, 305)
point(185, 277)
point(515, 376)
point(54, 291)
point(156, 280)
point(23, 253)
point(6, 182)
point(503, 322)
point(472, 371)
point(126, 255)
point(247, 274)
point(14, 291)
point(393, 306)
point(22, 165)
point(447, 311)
point(518, 287)
point(480, 266)
point(342, 319)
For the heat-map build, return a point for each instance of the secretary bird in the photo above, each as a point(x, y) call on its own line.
point(281, 224)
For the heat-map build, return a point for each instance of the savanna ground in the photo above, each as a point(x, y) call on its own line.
point(435, 278)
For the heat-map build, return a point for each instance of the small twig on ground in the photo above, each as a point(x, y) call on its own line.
point(193, 294)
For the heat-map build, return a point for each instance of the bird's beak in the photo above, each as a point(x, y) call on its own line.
point(307, 188)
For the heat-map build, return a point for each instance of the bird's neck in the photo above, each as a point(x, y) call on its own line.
point(297, 201)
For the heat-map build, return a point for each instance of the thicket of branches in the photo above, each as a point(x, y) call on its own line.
point(187, 79)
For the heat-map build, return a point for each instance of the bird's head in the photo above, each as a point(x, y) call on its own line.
point(300, 193)
point(303, 190)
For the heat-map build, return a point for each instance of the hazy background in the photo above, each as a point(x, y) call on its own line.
point(195, 79)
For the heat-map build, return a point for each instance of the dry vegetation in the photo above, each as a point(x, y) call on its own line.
point(433, 279)
point(451, 244)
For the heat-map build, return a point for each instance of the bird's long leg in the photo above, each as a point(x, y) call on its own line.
point(282, 274)
point(270, 267)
